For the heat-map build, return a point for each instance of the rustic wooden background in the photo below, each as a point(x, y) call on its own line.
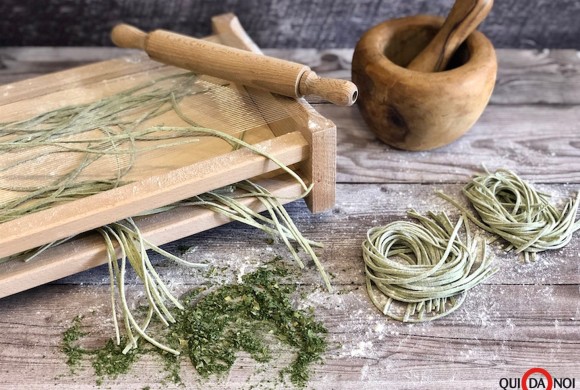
point(276, 23)
point(525, 316)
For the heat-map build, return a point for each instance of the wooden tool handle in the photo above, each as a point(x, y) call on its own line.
point(463, 19)
point(240, 66)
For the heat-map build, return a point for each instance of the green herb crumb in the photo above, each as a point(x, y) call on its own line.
point(110, 361)
point(240, 317)
point(73, 352)
point(218, 323)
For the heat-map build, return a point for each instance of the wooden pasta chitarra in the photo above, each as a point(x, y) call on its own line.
point(300, 138)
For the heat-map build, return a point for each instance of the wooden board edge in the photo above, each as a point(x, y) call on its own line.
point(40, 228)
point(77, 76)
point(89, 251)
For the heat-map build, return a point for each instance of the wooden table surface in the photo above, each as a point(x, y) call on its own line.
point(525, 316)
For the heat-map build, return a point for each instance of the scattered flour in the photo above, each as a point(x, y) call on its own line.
point(362, 350)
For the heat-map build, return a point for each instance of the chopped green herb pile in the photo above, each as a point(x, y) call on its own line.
point(238, 317)
point(109, 361)
point(216, 324)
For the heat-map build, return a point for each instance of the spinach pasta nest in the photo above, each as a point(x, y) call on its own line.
point(420, 272)
point(513, 210)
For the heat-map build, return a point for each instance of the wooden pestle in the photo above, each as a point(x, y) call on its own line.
point(462, 20)
point(255, 70)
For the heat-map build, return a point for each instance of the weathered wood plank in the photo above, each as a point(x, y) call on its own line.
point(537, 77)
point(524, 76)
point(541, 143)
point(496, 334)
point(280, 23)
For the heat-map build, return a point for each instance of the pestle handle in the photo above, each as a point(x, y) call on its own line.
point(251, 69)
point(462, 20)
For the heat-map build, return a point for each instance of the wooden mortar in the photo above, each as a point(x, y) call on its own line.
point(416, 110)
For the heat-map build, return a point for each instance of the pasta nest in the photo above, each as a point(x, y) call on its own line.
point(420, 272)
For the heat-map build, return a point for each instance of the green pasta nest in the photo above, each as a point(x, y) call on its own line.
point(513, 210)
point(420, 272)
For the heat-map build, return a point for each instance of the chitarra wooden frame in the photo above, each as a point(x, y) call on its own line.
point(311, 146)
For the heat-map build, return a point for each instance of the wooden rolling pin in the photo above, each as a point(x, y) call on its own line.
point(462, 20)
point(244, 67)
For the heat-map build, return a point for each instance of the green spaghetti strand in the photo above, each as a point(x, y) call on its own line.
point(117, 119)
point(88, 132)
point(421, 272)
point(278, 224)
point(513, 210)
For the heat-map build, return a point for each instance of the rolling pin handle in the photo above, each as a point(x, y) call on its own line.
point(124, 35)
point(337, 91)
